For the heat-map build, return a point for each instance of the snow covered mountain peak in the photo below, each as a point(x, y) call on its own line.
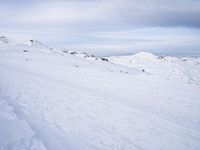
point(166, 66)
point(3, 39)
point(144, 56)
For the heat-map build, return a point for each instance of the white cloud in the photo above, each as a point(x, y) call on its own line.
point(60, 12)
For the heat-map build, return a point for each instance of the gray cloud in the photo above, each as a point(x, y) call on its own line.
point(107, 12)
point(160, 13)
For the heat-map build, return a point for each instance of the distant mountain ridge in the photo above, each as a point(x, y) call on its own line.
point(166, 66)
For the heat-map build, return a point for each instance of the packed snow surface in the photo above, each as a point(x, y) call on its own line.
point(51, 100)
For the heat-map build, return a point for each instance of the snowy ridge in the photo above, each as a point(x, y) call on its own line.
point(82, 55)
point(53, 100)
point(38, 44)
point(186, 69)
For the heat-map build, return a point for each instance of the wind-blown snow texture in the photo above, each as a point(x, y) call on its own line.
point(53, 100)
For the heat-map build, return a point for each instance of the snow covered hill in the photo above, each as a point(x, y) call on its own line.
point(170, 68)
point(52, 100)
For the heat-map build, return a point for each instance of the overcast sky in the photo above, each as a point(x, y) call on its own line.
point(106, 27)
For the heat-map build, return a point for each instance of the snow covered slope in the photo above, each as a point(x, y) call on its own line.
point(38, 44)
point(51, 100)
point(170, 68)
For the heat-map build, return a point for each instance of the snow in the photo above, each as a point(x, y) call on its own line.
point(166, 66)
point(38, 44)
point(3, 39)
point(53, 100)
point(13, 130)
